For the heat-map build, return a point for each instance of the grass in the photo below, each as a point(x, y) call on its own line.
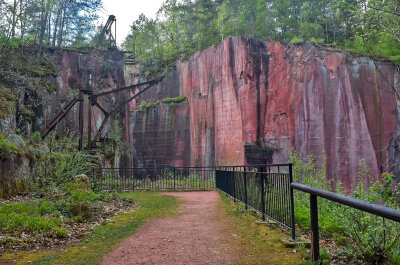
point(259, 243)
point(35, 217)
point(90, 251)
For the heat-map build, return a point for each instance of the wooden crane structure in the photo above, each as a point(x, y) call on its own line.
point(107, 31)
point(94, 103)
point(92, 98)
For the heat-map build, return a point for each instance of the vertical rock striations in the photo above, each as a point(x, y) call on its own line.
point(253, 102)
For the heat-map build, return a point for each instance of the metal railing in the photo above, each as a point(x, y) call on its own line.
point(375, 209)
point(160, 179)
point(265, 189)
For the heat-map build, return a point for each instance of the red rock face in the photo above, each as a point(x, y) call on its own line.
point(253, 102)
point(334, 104)
point(95, 71)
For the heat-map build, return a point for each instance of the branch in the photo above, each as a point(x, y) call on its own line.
point(385, 11)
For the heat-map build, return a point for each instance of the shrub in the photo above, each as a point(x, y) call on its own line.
point(363, 237)
point(7, 149)
point(56, 168)
point(34, 217)
point(78, 192)
point(296, 40)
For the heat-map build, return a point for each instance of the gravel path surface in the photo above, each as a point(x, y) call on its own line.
point(197, 236)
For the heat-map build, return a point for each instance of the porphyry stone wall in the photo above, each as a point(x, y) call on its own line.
point(250, 101)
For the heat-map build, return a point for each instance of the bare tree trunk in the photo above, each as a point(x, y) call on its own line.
point(22, 17)
point(49, 29)
point(14, 18)
point(333, 25)
point(42, 31)
point(326, 30)
point(56, 26)
point(61, 30)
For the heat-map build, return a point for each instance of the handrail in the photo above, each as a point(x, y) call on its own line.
point(383, 211)
point(375, 209)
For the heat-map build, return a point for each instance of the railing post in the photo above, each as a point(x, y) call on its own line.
point(262, 195)
point(245, 189)
point(133, 180)
point(292, 203)
point(314, 228)
point(234, 185)
point(174, 179)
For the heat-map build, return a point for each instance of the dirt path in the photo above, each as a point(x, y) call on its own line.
point(197, 236)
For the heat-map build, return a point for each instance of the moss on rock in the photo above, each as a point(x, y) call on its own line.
point(174, 100)
point(144, 106)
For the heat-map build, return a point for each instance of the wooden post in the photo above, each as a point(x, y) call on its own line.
point(89, 124)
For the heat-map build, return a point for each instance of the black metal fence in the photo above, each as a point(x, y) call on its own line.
point(160, 179)
point(265, 188)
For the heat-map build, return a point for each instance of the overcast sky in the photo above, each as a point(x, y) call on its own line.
point(126, 11)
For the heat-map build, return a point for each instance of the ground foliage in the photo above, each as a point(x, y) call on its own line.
point(61, 206)
point(352, 236)
point(112, 231)
point(63, 216)
point(258, 242)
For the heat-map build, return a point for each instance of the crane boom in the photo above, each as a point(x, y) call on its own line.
point(107, 30)
point(93, 102)
point(54, 121)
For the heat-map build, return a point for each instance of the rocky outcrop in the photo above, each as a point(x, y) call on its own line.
point(250, 101)
point(74, 71)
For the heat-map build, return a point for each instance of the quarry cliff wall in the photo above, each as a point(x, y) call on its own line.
point(249, 101)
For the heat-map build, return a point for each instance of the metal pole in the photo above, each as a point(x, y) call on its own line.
point(245, 189)
point(133, 180)
point(80, 121)
point(314, 228)
point(292, 203)
point(174, 179)
point(234, 186)
point(262, 195)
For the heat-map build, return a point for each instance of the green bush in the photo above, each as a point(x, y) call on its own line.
point(363, 237)
point(7, 149)
point(56, 168)
point(296, 40)
point(78, 193)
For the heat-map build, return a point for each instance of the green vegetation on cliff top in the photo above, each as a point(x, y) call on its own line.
point(181, 28)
